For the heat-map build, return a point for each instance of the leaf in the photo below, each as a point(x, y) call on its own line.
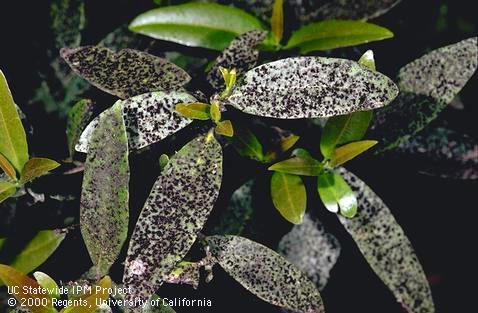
point(300, 152)
point(38, 250)
point(149, 118)
point(36, 167)
point(246, 143)
point(215, 112)
point(349, 151)
point(2, 242)
point(13, 145)
point(277, 21)
point(308, 87)
point(335, 193)
point(7, 189)
point(126, 73)
point(387, 249)
point(104, 212)
point(155, 305)
point(163, 161)
point(289, 196)
point(78, 118)
point(195, 110)
point(368, 60)
point(265, 273)
point(343, 129)
point(68, 20)
point(309, 247)
point(7, 167)
point(225, 128)
point(427, 86)
point(14, 278)
point(175, 211)
point(99, 294)
point(305, 166)
point(206, 25)
point(48, 283)
point(288, 142)
point(331, 34)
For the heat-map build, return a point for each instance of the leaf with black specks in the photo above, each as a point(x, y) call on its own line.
point(68, 20)
point(78, 118)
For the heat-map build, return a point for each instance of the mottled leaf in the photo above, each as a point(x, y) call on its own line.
point(308, 87)
point(175, 211)
point(195, 110)
point(343, 129)
point(331, 34)
point(149, 118)
point(266, 274)
point(309, 247)
point(155, 305)
point(7, 167)
point(48, 283)
point(13, 143)
point(387, 249)
point(68, 20)
point(241, 54)
point(126, 73)
point(289, 196)
point(104, 209)
point(349, 151)
point(246, 143)
point(206, 25)
point(36, 167)
point(7, 189)
point(299, 166)
point(225, 128)
point(78, 118)
point(336, 194)
point(92, 300)
point(277, 21)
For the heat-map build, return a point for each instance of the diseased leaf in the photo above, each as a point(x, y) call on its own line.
point(387, 249)
point(13, 143)
point(104, 209)
point(246, 143)
point(309, 247)
point(308, 87)
point(195, 110)
point(7, 167)
point(149, 118)
point(7, 189)
point(48, 283)
point(38, 250)
point(36, 167)
point(68, 20)
point(175, 211)
point(78, 118)
point(99, 294)
point(265, 274)
point(225, 128)
point(14, 278)
point(305, 166)
point(343, 129)
point(336, 194)
point(289, 196)
point(126, 73)
point(153, 307)
point(241, 54)
point(277, 21)
point(349, 151)
point(331, 34)
point(206, 25)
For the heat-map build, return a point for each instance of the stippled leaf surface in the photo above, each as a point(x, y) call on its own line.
point(149, 118)
point(126, 73)
point(305, 166)
point(427, 85)
point(7, 189)
point(289, 196)
point(68, 20)
point(104, 209)
point(92, 300)
point(331, 34)
point(336, 194)
point(206, 25)
point(313, 250)
point(36, 167)
point(13, 143)
point(241, 54)
point(175, 211)
point(308, 87)
point(78, 118)
point(266, 274)
point(441, 152)
point(386, 248)
point(349, 151)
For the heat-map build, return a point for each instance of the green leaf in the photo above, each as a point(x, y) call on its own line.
point(7, 189)
point(309, 87)
point(38, 250)
point(368, 60)
point(288, 142)
point(163, 161)
point(206, 25)
point(195, 110)
point(225, 128)
point(289, 196)
point(126, 73)
point(266, 274)
point(104, 212)
point(277, 21)
point(299, 166)
point(36, 167)
point(157, 305)
point(343, 129)
point(300, 152)
point(7, 167)
point(78, 118)
point(48, 283)
point(13, 145)
point(174, 213)
point(2, 242)
point(246, 143)
point(387, 249)
point(335, 193)
point(349, 151)
point(215, 112)
point(330, 34)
